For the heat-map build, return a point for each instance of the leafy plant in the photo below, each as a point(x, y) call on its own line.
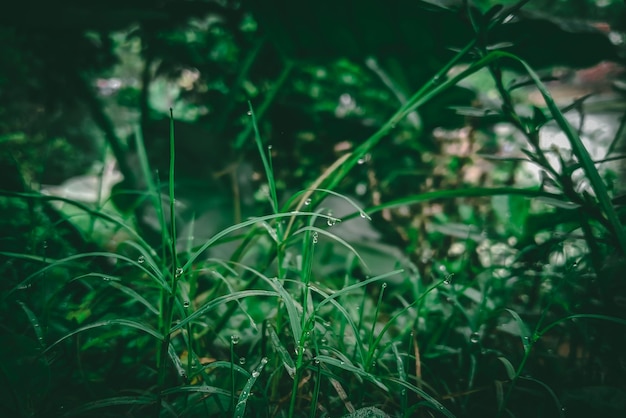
point(160, 327)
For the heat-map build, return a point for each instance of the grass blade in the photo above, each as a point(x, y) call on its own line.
point(240, 409)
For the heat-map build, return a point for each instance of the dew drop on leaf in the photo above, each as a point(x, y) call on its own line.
point(141, 259)
point(234, 339)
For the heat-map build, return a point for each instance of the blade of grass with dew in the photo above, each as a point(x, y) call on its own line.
point(249, 222)
point(457, 193)
point(327, 191)
point(360, 350)
point(211, 390)
point(178, 365)
point(93, 212)
point(146, 256)
point(525, 335)
point(134, 296)
point(432, 402)
point(349, 367)
point(168, 299)
point(334, 238)
point(107, 323)
point(227, 366)
point(240, 408)
point(269, 98)
point(267, 164)
point(283, 353)
point(401, 375)
point(391, 321)
point(372, 331)
point(231, 289)
point(68, 261)
point(307, 193)
point(348, 289)
point(34, 322)
point(219, 301)
point(293, 312)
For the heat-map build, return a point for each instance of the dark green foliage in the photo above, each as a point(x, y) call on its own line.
point(232, 272)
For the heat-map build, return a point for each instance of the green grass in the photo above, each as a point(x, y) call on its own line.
point(152, 330)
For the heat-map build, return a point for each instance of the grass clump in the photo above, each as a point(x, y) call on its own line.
point(166, 329)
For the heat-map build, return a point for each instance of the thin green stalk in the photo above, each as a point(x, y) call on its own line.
point(232, 374)
point(269, 98)
point(316, 389)
point(371, 348)
point(169, 298)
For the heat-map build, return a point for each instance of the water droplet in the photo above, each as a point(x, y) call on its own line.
point(255, 374)
point(269, 147)
point(316, 361)
point(264, 361)
point(474, 337)
point(363, 215)
point(361, 161)
point(249, 113)
point(105, 278)
point(141, 259)
point(331, 221)
point(242, 360)
point(186, 304)
point(45, 244)
point(342, 362)
point(179, 271)
point(448, 279)
point(384, 285)
point(307, 202)
point(314, 237)
point(234, 339)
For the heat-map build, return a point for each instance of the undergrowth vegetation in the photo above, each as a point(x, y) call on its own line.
point(524, 304)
